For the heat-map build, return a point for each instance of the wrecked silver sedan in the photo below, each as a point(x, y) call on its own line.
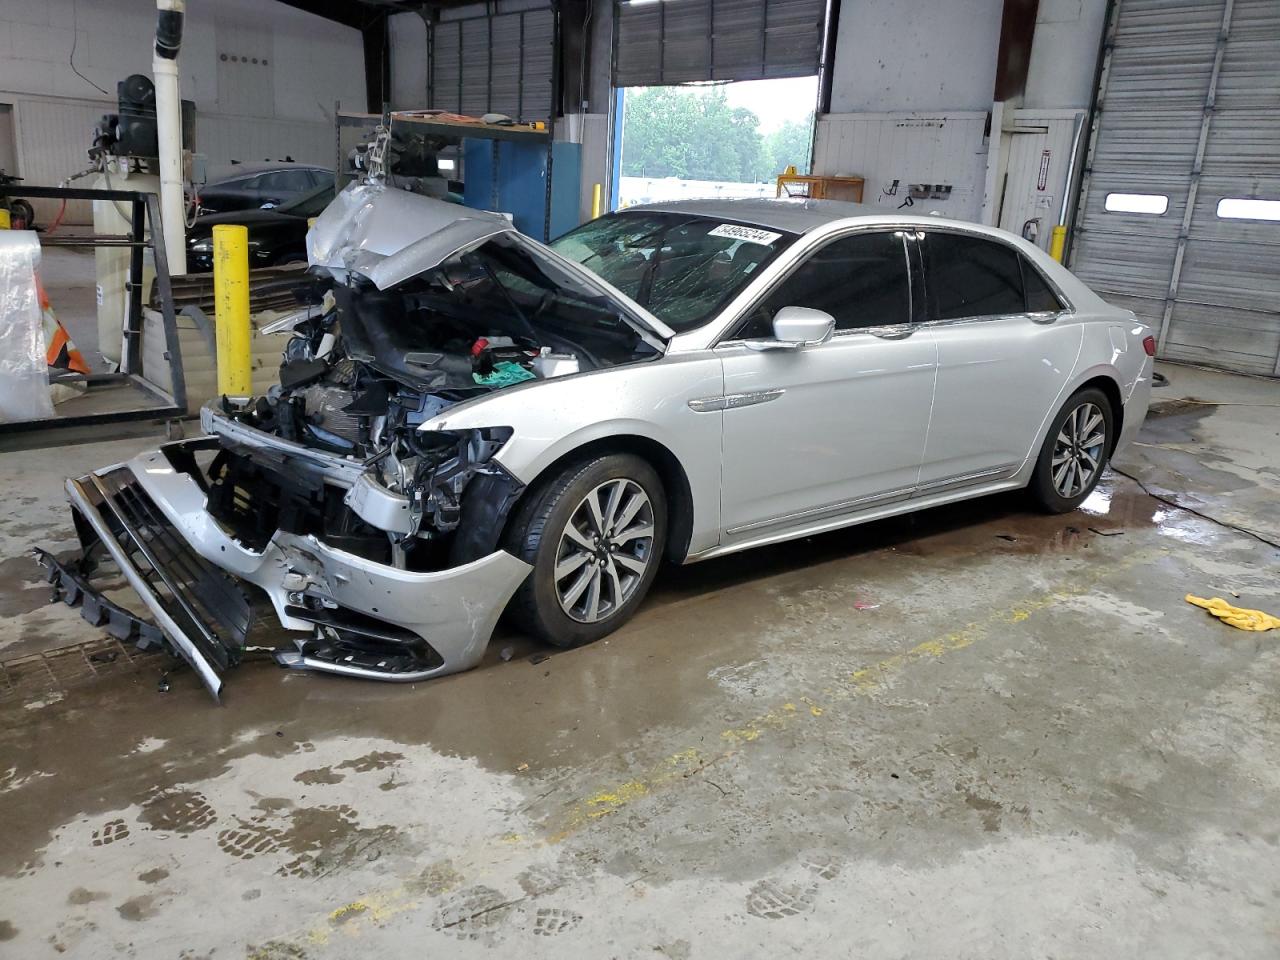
point(468, 422)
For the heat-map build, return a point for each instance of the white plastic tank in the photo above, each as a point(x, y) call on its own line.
point(112, 263)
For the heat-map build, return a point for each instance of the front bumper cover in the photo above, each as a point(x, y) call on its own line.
point(151, 518)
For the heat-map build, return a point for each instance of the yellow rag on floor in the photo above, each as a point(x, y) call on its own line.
point(1236, 616)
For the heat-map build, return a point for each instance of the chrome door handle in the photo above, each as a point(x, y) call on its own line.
point(898, 331)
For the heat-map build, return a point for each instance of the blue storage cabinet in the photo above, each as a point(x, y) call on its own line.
point(511, 177)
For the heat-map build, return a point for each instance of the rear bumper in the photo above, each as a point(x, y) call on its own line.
point(313, 587)
point(1135, 407)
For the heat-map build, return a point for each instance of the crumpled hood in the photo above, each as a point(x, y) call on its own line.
point(390, 235)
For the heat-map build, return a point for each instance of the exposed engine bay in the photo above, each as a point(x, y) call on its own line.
point(341, 495)
point(365, 369)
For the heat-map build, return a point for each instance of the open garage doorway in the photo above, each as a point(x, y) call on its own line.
point(711, 139)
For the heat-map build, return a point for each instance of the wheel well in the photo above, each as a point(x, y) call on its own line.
point(675, 483)
point(1111, 390)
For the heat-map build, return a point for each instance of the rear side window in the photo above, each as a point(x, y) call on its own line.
point(971, 277)
point(861, 280)
point(1040, 296)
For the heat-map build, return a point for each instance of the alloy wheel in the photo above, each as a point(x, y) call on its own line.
point(605, 550)
point(1077, 451)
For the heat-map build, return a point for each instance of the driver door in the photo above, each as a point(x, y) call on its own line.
point(815, 433)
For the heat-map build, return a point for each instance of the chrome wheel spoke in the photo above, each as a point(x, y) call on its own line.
point(577, 536)
point(638, 531)
point(1077, 451)
point(611, 505)
point(570, 564)
point(628, 562)
point(570, 596)
point(605, 550)
point(615, 583)
point(593, 512)
point(638, 500)
point(592, 610)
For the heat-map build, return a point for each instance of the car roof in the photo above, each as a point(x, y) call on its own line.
point(234, 171)
point(799, 214)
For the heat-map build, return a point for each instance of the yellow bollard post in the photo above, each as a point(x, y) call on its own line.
point(1059, 242)
point(595, 202)
point(5, 222)
point(231, 307)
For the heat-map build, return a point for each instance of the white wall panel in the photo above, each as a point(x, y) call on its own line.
point(909, 148)
point(915, 56)
point(408, 33)
point(281, 105)
point(53, 136)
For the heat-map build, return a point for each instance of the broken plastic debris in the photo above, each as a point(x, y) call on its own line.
point(863, 605)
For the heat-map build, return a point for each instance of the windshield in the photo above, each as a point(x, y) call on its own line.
point(682, 268)
point(310, 204)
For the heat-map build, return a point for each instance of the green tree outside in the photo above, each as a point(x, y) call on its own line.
point(694, 134)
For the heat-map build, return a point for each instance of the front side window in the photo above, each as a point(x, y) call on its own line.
point(683, 269)
point(861, 280)
point(971, 277)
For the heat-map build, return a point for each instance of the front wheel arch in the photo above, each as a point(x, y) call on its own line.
point(675, 483)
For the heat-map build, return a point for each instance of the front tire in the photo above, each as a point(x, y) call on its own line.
point(595, 535)
point(1075, 452)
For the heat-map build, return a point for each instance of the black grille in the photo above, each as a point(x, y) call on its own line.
point(204, 602)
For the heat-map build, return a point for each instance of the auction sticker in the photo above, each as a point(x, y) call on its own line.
point(733, 231)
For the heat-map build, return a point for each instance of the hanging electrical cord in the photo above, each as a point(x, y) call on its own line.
point(71, 59)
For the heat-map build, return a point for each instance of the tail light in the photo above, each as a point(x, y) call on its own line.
point(1149, 345)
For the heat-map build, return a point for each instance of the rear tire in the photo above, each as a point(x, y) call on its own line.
point(592, 565)
point(1076, 451)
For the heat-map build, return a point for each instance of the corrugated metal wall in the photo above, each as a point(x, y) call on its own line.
point(504, 63)
point(909, 148)
point(1190, 110)
point(53, 139)
point(688, 40)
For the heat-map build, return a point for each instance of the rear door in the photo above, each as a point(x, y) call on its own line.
point(1006, 348)
point(829, 429)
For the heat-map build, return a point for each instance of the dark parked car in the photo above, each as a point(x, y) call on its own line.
point(276, 236)
point(262, 187)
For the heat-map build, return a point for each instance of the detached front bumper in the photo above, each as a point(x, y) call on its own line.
point(151, 517)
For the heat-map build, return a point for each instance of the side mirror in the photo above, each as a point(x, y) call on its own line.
point(796, 327)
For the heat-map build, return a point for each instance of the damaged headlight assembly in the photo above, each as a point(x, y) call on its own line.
point(416, 490)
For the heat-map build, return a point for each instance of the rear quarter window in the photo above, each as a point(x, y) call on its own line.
point(971, 277)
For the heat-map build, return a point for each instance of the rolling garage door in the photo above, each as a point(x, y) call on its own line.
point(682, 41)
point(1179, 215)
point(503, 63)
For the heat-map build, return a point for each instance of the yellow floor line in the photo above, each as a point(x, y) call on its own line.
point(376, 908)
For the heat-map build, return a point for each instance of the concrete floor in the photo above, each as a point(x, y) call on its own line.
point(975, 733)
